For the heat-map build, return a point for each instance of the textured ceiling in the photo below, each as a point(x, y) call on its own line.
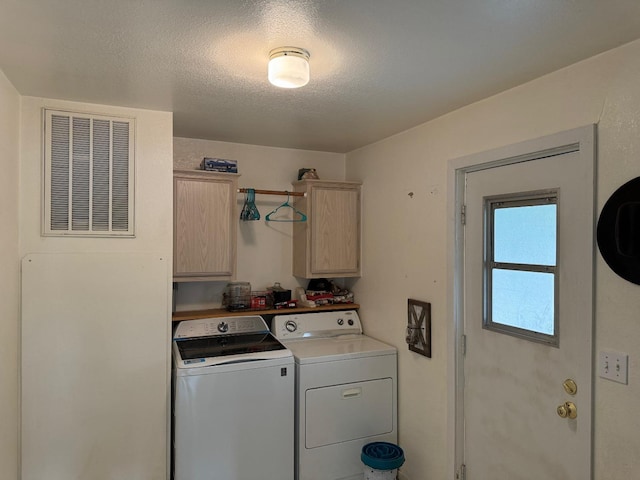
point(377, 67)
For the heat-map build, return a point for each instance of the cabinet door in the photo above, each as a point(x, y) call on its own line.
point(335, 230)
point(204, 237)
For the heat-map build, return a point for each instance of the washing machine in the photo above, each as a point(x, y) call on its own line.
point(346, 392)
point(233, 401)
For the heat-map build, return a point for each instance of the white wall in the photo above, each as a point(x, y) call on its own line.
point(137, 348)
point(154, 204)
point(404, 248)
point(404, 241)
point(9, 276)
point(264, 249)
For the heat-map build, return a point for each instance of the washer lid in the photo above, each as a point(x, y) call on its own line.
point(227, 345)
point(228, 349)
point(343, 347)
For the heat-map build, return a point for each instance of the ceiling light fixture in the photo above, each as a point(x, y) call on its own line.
point(289, 67)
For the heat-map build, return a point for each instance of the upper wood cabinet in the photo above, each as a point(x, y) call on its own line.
point(328, 243)
point(204, 225)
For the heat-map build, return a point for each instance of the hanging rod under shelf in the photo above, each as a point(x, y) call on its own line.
point(274, 192)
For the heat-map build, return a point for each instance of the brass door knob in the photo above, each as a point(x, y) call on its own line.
point(568, 410)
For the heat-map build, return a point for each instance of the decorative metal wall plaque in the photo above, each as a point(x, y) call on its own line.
point(419, 327)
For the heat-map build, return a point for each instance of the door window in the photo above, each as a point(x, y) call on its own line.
point(520, 270)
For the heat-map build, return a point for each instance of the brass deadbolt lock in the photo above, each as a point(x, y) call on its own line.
point(570, 386)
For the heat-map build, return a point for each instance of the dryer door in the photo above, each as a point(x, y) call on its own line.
point(341, 413)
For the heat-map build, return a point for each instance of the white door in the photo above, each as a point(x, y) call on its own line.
point(527, 303)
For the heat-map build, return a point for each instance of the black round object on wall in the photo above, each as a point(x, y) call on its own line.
point(619, 231)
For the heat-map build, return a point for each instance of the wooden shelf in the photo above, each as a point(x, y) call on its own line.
point(221, 312)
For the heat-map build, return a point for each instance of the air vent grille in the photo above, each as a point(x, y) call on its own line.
point(88, 175)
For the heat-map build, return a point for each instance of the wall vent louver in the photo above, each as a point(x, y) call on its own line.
point(88, 175)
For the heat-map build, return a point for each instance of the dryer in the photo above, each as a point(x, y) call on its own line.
point(346, 392)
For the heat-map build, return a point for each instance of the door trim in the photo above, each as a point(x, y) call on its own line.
point(581, 140)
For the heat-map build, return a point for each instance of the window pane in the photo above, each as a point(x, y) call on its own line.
point(523, 300)
point(525, 235)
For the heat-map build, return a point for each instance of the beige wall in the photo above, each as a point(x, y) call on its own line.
point(153, 182)
point(405, 244)
point(264, 249)
point(404, 237)
point(143, 450)
point(9, 276)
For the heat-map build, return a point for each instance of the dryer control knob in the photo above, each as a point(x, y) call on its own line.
point(341, 321)
point(291, 326)
point(223, 327)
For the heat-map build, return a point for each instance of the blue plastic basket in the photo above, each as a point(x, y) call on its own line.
point(382, 456)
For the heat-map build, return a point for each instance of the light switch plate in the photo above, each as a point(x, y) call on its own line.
point(613, 366)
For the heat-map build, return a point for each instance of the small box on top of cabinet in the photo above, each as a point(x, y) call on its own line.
point(204, 225)
point(328, 243)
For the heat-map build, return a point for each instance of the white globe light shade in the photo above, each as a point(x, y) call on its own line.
point(289, 67)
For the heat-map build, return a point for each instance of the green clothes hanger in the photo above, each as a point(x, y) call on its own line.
point(249, 210)
point(301, 216)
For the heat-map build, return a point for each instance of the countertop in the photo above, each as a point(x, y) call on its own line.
point(221, 312)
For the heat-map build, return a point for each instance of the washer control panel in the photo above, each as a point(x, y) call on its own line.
point(320, 324)
point(207, 327)
point(290, 326)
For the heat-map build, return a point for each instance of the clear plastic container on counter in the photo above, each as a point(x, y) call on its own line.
point(237, 296)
